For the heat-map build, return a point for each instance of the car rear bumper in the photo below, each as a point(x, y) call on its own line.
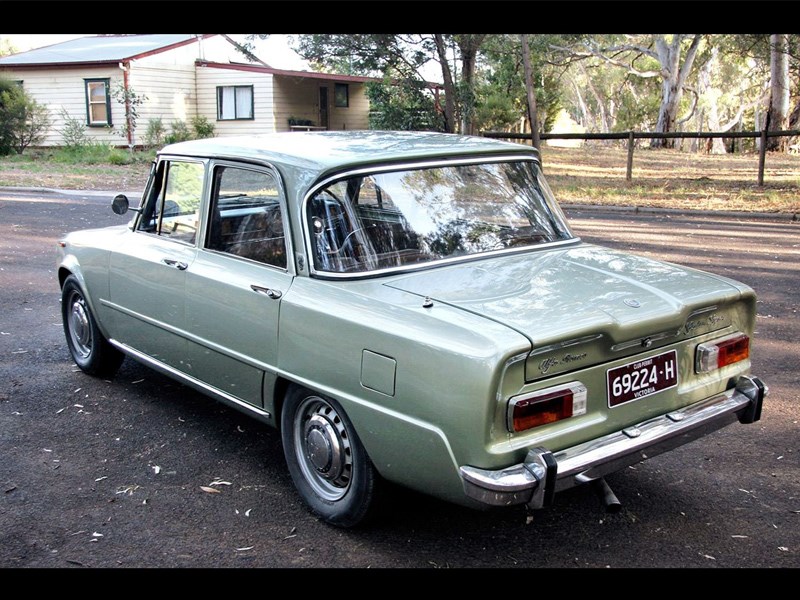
point(543, 473)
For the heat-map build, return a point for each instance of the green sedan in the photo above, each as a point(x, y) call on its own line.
point(407, 307)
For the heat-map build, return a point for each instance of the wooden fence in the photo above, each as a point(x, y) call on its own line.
point(631, 136)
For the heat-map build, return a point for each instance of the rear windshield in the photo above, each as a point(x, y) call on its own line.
point(389, 219)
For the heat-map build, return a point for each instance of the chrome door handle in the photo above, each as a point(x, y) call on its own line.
point(274, 294)
point(171, 262)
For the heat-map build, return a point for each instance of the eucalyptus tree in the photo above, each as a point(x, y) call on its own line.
point(668, 59)
point(404, 56)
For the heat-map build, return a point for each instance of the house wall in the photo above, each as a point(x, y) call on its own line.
point(356, 115)
point(209, 78)
point(171, 95)
point(64, 89)
point(299, 98)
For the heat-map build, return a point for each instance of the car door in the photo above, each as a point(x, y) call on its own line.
point(148, 270)
point(235, 285)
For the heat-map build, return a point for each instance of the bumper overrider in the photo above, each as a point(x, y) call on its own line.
point(543, 473)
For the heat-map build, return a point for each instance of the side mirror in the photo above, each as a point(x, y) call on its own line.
point(120, 205)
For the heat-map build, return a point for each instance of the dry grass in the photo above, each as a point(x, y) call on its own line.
point(588, 175)
point(673, 179)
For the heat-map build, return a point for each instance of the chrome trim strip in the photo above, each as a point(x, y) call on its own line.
point(189, 380)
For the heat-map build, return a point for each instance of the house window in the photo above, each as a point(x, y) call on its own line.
point(234, 102)
point(98, 102)
point(341, 95)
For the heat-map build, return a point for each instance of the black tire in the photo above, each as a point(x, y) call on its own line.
point(89, 348)
point(328, 464)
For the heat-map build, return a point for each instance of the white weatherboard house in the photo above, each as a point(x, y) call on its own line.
point(181, 76)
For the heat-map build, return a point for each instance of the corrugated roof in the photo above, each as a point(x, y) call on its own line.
point(96, 49)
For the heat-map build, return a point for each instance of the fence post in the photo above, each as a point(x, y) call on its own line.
point(762, 156)
point(629, 172)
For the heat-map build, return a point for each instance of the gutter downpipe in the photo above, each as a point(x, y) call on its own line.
point(125, 67)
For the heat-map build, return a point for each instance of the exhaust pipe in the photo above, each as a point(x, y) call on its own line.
point(606, 495)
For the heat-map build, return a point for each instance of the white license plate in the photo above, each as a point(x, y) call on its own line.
point(642, 378)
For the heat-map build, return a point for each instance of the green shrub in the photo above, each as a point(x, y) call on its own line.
point(23, 121)
point(179, 132)
point(202, 127)
point(73, 133)
point(154, 136)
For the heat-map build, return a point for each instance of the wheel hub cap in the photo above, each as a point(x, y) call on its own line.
point(323, 447)
point(79, 327)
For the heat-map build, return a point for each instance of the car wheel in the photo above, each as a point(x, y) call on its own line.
point(327, 462)
point(90, 350)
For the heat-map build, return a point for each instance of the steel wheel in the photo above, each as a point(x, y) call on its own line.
point(78, 327)
point(323, 448)
point(328, 464)
point(90, 350)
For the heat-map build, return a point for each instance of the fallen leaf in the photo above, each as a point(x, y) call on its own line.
point(96, 534)
point(210, 490)
point(245, 549)
point(247, 512)
point(239, 429)
point(78, 405)
point(783, 548)
point(218, 482)
point(739, 536)
point(138, 381)
point(101, 478)
point(60, 410)
point(709, 556)
point(76, 391)
point(157, 469)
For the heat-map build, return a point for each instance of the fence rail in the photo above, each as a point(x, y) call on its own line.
point(632, 136)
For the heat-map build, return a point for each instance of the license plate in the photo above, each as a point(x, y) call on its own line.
point(642, 378)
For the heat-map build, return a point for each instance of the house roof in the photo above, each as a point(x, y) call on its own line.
point(99, 49)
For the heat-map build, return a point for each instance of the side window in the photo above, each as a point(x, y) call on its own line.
point(98, 102)
point(246, 218)
point(173, 206)
point(234, 102)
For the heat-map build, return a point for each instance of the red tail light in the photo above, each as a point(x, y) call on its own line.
point(546, 406)
point(720, 353)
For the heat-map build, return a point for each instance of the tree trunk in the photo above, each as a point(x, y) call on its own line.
point(779, 89)
point(449, 86)
point(531, 92)
point(674, 77)
point(468, 45)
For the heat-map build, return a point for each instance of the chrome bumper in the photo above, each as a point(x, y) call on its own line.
point(543, 473)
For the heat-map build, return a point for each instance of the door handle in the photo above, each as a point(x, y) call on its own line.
point(171, 262)
point(274, 294)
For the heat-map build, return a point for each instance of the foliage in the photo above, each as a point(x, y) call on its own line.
point(402, 105)
point(6, 47)
point(73, 132)
point(23, 120)
point(202, 127)
point(501, 94)
point(92, 153)
point(154, 135)
point(179, 132)
point(131, 100)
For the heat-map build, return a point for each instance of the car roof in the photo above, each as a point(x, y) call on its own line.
point(323, 151)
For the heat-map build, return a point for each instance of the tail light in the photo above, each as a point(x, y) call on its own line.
point(720, 353)
point(546, 406)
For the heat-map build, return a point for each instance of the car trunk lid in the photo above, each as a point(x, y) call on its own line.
point(586, 304)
